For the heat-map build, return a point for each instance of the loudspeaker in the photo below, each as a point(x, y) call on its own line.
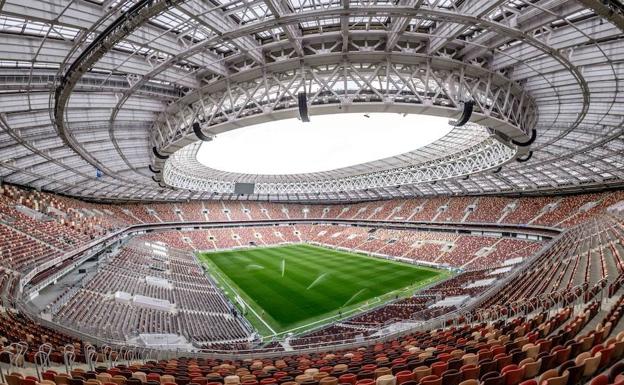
point(302, 99)
point(465, 116)
point(199, 134)
point(158, 155)
point(528, 142)
point(526, 157)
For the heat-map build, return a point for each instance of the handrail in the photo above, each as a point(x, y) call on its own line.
point(11, 358)
point(69, 356)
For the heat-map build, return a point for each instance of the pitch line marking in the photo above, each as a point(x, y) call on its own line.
point(245, 302)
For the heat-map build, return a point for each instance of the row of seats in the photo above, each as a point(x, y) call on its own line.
point(65, 223)
point(199, 310)
point(558, 349)
point(584, 258)
point(466, 251)
point(561, 276)
point(421, 307)
point(95, 219)
point(545, 211)
point(578, 263)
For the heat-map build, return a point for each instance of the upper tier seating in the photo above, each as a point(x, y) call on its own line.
point(80, 221)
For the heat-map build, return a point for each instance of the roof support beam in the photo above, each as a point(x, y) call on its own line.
point(22, 48)
point(446, 32)
point(344, 25)
point(606, 9)
point(82, 15)
point(220, 23)
point(399, 24)
point(278, 8)
point(528, 20)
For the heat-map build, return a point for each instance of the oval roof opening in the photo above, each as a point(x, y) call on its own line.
point(328, 142)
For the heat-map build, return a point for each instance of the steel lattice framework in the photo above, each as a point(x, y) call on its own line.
point(486, 155)
point(97, 84)
point(413, 81)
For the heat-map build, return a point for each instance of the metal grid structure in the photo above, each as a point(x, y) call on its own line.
point(92, 85)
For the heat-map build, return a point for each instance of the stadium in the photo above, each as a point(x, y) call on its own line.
point(311, 192)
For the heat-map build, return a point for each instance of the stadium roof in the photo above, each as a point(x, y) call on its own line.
point(116, 86)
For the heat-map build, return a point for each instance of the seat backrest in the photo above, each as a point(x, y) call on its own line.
point(563, 354)
point(431, 380)
point(616, 370)
point(494, 380)
point(451, 377)
point(382, 372)
point(469, 372)
point(13, 379)
point(403, 376)
point(618, 350)
point(531, 350)
point(527, 360)
point(575, 373)
point(438, 368)
point(59, 379)
point(420, 372)
point(513, 376)
point(551, 373)
point(470, 358)
point(502, 360)
point(328, 381)
point(74, 381)
point(592, 364)
point(600, 380)
point(29, 381)
point(386, 379)
point(487, 366)
point(140, 375)
point(606, 355)
point(586, 342)
point(558, 380)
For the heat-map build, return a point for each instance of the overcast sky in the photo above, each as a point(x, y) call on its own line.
point(327, 142)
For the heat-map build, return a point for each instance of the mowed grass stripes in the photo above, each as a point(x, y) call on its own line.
point(290, 286)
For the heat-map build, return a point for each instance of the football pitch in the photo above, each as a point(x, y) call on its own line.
point(298, 287)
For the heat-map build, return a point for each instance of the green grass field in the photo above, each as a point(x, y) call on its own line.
point(298, 287)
